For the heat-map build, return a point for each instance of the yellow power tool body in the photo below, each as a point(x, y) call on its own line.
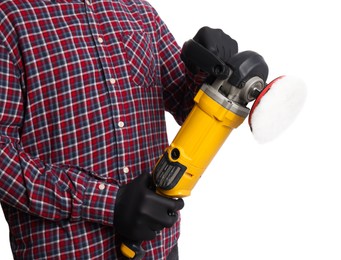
point(220, 106)
point(197, 142)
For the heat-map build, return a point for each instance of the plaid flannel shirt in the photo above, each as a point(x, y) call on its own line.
point(84, 86)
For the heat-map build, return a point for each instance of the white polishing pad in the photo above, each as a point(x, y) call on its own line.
point(276, 107)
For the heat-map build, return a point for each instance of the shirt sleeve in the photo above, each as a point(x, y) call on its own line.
point(180, 85)
point(50, 191)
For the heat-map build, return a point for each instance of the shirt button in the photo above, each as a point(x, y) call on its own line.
point(125, 169)
point(100, 40)
point(112, 81)
point(101, 186)
point(120, 124)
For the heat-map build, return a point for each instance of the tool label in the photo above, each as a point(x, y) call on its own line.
point(167, 174)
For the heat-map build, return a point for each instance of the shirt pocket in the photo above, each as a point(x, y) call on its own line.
point(140, 57)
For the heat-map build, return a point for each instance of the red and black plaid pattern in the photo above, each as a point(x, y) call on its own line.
point(83, 90)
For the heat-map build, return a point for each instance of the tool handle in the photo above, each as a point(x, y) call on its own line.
point(132, 250)
point(196, 54)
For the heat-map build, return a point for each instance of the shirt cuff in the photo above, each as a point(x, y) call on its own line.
point(99, 202)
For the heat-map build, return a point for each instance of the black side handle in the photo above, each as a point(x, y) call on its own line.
point(197, 55)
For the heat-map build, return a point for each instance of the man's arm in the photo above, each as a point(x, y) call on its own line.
point(179, 80)
point(179, 84)
point(50, 191)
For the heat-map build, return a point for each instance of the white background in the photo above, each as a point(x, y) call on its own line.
point(280, 200)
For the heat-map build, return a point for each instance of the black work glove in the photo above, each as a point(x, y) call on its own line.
point(217, 42)
point(140, 212)
point(209, 51)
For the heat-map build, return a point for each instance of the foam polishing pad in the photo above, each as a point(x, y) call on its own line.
point(277, 107)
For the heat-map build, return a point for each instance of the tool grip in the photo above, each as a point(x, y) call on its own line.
point(132, 250)
point(197, 55)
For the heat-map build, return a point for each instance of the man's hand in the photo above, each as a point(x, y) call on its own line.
point(209, 51)
point(217, 42)
point(140, 212)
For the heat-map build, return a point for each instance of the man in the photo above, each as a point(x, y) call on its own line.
point(83, 90)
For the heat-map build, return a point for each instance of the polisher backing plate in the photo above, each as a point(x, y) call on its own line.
point(276, 107)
